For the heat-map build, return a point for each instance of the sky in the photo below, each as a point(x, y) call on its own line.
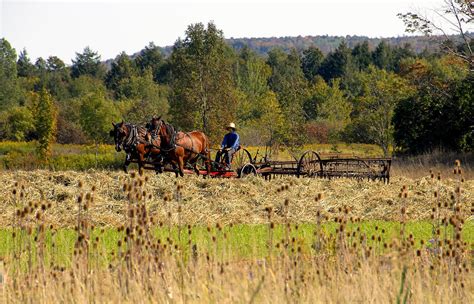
point(62, 28)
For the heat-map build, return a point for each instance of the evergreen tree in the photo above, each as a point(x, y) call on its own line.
point(151, 58)
point(85, 85)
point(328, 105)
point(40, 66)
point(317, 94)
point(122, 70)
point(41, 72)
point(87, 63)
point(336, 63)
point(361, 56)
point(311, 62)
point(24, 66)
point(54, 64)
point(383, 56)
point(400, 54)
point(260, 117)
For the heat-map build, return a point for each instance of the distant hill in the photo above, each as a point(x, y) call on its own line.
point(325, 43)
point(329, 43)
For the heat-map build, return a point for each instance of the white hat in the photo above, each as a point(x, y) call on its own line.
point(231, 125)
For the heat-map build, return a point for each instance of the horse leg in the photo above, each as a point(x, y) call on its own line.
point(126, 163)
point(181, 165)
point(141, 161)
point(195, 167)
point(158, 169)
point(175, 168)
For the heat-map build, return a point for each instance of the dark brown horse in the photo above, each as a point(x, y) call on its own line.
point(180, 147)
point(134, 141)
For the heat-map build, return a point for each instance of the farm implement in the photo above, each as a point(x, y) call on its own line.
point(311, 164)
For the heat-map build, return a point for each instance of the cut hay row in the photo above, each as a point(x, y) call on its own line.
point(210, 201)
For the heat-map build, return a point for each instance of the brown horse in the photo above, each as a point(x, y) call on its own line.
point(180, 147)
point(133, 139)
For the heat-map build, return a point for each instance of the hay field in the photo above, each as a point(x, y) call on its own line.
point(209, 201)
point(107, 237)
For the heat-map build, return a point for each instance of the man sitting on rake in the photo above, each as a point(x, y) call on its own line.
point(230, 145)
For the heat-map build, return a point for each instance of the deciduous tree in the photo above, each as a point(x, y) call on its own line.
point(9, 90)
point(291, 87)
point(381, 91)
point(45, 123)
point(202, 83)
point(96, 115)
point(454, 17)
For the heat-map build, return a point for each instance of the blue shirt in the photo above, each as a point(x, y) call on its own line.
point(231, 140)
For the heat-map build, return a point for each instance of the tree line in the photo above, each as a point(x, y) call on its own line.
point(387, 95)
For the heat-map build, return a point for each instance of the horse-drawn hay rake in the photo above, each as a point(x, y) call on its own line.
point(310, 164)
point(164, 156)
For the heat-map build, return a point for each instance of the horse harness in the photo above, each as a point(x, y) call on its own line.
point(174, 138)
point(132, 139)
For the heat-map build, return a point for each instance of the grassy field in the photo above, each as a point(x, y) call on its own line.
point(242, 241)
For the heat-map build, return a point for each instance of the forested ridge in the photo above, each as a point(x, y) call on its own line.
point(404, 97)
point(325, 43)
